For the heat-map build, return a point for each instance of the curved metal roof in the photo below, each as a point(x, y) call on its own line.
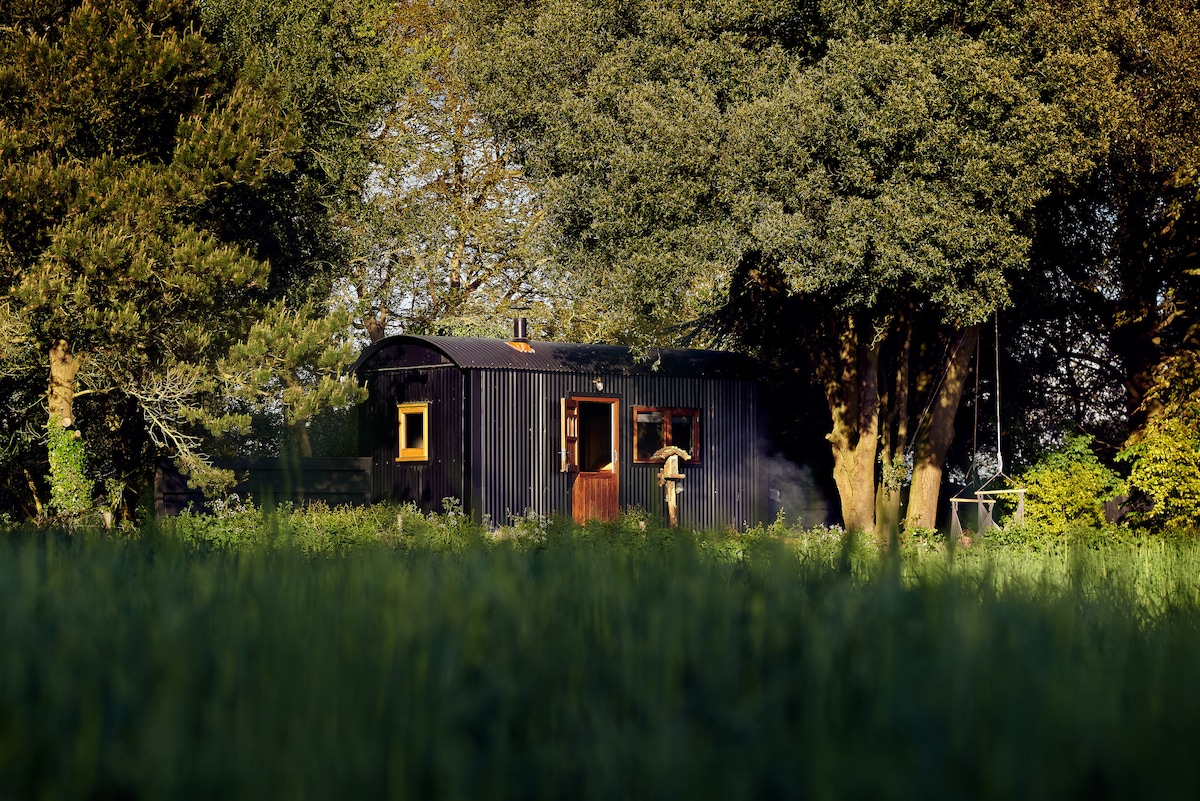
point(563, 357)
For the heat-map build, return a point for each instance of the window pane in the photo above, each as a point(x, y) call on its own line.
point(414, 425)
point(414, 430)
point(648, 432)
point(683, 427)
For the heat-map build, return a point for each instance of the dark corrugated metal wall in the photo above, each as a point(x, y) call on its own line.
point(423, 483)
point(516, 447)
point(504, 427)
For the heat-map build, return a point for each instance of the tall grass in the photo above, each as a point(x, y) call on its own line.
point(600, 664)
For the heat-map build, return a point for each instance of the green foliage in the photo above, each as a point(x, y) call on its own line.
point(336, 67)
point(337, 70)
point(879, 172)
point(890, 159)
point(592, 666)
point(1165, 457)
point(70, 488)
point(237, 525)
point(293, 362)
point(167, 167)
point(1067, 489)
point(447, 237)
point(1165, 466)
point(1115, 259)
point(129, 147)
point(1164, 454)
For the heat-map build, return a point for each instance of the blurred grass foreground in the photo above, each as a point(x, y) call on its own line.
point(425, 660)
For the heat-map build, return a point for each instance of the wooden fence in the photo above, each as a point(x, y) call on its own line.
point(269, 481)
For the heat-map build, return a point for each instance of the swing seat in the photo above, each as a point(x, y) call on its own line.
point(984, 500)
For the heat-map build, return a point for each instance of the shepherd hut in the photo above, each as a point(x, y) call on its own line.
point(507, 427)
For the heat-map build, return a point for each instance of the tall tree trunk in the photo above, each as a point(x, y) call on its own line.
point(934, 437)
point(300, 440)
point(893, 438)
point(70, 490)
point(61, 395)
point(854, 475)
point(887, 514)
point(852, 390)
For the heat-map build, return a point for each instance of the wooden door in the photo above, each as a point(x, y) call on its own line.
point(590, 445)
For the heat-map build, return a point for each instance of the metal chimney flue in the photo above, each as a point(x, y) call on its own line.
point(520, 329)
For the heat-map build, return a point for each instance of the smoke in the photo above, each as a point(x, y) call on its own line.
point(792, 490)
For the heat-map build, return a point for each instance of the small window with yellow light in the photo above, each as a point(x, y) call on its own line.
point(414, 432)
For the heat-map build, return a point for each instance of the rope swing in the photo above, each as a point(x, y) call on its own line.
point(982, 498)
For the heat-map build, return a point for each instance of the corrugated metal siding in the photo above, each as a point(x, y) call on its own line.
point(518, 427)
point(508, 449)
point(519, 430)
point(727, 488)
point(423, 483)
point(494, 433)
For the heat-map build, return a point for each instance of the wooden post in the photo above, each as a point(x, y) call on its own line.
point(670, 477)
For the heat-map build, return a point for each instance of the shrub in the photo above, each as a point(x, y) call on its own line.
point(316, 528)
point(1067, 489)
point(1165, 465)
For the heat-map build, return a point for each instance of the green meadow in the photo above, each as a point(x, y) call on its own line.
point(382, 653)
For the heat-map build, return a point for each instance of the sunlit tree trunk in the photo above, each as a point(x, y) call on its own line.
point(936, 433)
point(852, 390)
point(61, 396)
point(893, 440)
point(70, 491)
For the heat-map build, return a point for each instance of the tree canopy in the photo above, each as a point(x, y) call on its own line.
point(153, 175)
point(445, 238)
point(874, 167)
point(1120, 248)
point(196, 197)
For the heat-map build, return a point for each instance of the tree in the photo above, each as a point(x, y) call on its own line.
point(445, 238)
point(125, 142)
point(1164, 456)
point(1120, 249)
point(336, 64)
point(870, 169)
point(170, 167)
point(293, 364)
point(339, 65)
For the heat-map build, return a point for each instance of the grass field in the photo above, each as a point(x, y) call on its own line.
point(366, 659)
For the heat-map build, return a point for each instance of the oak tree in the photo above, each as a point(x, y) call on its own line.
point(445, 238)
point(868, 171)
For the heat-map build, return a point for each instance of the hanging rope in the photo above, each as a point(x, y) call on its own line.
point(999, 453)
point(948, 356)
point(975, 431)
point(984, 500)
point(999, 420)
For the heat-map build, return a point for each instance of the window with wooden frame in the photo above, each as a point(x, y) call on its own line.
point(656, 427)
point(414, 432)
